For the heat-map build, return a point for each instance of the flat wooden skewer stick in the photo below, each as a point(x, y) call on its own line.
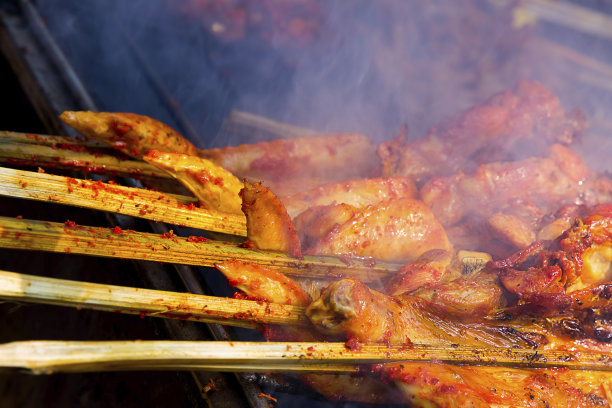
point(146, 302)
point(240, 122)
point(105, 242)
point(571, 15)
point(9, 137)
point(62, 152)
point(136, 202)
point(43, 357)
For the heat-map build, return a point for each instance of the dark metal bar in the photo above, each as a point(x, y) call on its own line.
point(57, 56)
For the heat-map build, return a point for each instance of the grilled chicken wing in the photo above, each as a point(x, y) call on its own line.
point(445, 386)
point(356, 193)
point(330, 158)
point(268, 224)
point(544, 274)
point(316, 222)
point(502, 207)
point(259, 282)
point(269, 285)
point(129, 133)
point(398, 230)
point(511, 125)
point(348, 307)
point(215, 187)
point(501, 186)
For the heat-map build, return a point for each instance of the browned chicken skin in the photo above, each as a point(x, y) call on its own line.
point(501, 186)
point(323, 157)
point(214, 187)
point(268, 224)
point(348, 307)
point(356, 193)
point(511, 125)
point(269, 285)
point(260, 282)
point(132, 134)
point(502, 207)
point(398, 230)
point(445, 386)
point(315, 223)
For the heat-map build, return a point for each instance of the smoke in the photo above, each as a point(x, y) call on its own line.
point(357, 66)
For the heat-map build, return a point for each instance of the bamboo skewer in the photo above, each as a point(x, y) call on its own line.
point(69, 238)
point(244, 123)
point(136, 202)
point(147, 302)
point(63, 152)
point(45, 357)
point(597, 73)
point(571, 15)
point(8, 137)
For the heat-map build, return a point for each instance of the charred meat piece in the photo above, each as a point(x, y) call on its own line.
point(580, 257)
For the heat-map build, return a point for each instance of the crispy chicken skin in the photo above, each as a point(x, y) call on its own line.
point(544, 275)
point(129, 133)
point(501, 186)
point(268, 224)
point(350, 308)
point(272, 286)
point(260, 282)
point(445, 386)
point(315, 223)
point(357, 193)
point(430, 268)
point(397, 230)
point(214, 187)
point(511, 125)
point(330, 158)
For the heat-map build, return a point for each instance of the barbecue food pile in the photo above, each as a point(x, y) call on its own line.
point(504, 234)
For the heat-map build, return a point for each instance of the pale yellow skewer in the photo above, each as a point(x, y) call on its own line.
point(9, 137)
point(147, 302)
point(136, 202)
point(69, 238)
point(84, 356)
point(66, 153)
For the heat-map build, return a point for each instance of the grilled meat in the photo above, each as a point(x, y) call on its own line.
point(357, 193)
point(268, 224)
point(283, 162)
point(132, 134)
point(214, 187)
point(511, 125)
point(397, 230)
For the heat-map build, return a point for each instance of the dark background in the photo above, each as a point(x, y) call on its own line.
point(41, 322)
